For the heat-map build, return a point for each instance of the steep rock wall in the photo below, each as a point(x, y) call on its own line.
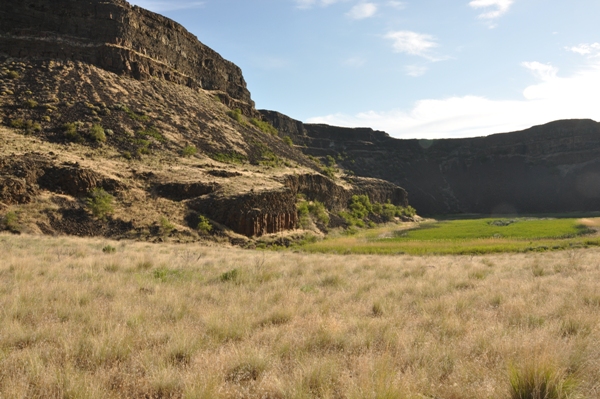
point(253, 214)
point(120, 38)
point(336, 197)
point(548, 168)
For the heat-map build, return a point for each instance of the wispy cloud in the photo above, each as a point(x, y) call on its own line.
point(550, 98)
point(498, 9)
point(362, 11)
point(400, 5)
point(416, 70)
point(586, 49)
point(165, 5)
point(413, 43)
point(305, 4)
point(544, 72)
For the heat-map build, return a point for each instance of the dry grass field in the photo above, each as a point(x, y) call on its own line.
point(187, 321)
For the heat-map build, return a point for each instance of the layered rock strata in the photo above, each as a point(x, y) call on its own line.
point(120, 38)
point(548, 168)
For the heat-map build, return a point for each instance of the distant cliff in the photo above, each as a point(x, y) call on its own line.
point(549, 168)
point(120, 38)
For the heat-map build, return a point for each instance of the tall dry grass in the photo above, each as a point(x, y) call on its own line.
point(185, 321)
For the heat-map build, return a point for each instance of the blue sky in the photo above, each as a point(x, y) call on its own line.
point(412, 68)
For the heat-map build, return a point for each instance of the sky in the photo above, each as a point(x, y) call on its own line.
point(412, 68)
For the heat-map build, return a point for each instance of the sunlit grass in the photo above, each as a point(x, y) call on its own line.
point(464, 237)
point(187, 321)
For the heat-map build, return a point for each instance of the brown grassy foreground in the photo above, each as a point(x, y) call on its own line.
point(161, 321)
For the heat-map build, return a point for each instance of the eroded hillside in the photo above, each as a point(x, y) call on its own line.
point(80, 118)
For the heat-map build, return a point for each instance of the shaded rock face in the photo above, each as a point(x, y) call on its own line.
point(336, 198)
point(256, 214)
point(120, 38)
point(21, 178)
point(252, 214)
point(548, 168)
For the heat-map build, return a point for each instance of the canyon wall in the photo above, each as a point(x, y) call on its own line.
point(549, 168)
point(120, 38)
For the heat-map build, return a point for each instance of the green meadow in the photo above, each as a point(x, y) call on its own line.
point(464, 237)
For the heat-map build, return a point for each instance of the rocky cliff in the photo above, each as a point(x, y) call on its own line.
point(102, 95)
point(549, 168)
point(120, 38)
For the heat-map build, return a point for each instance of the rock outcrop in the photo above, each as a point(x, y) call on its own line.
point(548, 168)
point(21, 178)
point(120, 38)
point(252, 214)
point(336, 197)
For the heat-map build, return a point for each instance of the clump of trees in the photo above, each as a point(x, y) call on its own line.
point(361, 212)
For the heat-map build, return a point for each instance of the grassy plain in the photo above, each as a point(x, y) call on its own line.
point(79, 320)
point(464, 237)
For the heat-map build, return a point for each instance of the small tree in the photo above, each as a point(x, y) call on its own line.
point(204, 225)
point(100, 203)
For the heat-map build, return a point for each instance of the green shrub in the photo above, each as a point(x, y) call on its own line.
point(100, 203)
point(315, 209)
point(10, 221)
point(330, 161)
point(360, 206)
point(165, 225)
point(17, 123)
point(204, 225)
point(152, 132)
point(229, 157)
point(189, 151)
point(318, 209)
point(136, 116)
point(329, 171)
point(265, 127)
point(71, 134)
point(231, 275)
point(303, 214)
point(96, 133)
point(540, 382)
point(31, 104)
point(288, 141)
point(236, 114)
point(109, 249)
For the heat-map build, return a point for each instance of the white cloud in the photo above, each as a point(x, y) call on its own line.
point(586, 49)
point(416, 70)
point(400, 5)
point(304, 4)
point(544, 72)
point(362, 11)
point(498, 9)
point(165, 5)
point(413, 43)
point(552, 97)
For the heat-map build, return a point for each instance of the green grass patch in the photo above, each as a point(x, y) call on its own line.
point(463, 237)
point(526, 228)
point(265, 127)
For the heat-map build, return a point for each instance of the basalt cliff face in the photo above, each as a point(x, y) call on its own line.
point(548, 168)
point(119, 38)
point(102, 95)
